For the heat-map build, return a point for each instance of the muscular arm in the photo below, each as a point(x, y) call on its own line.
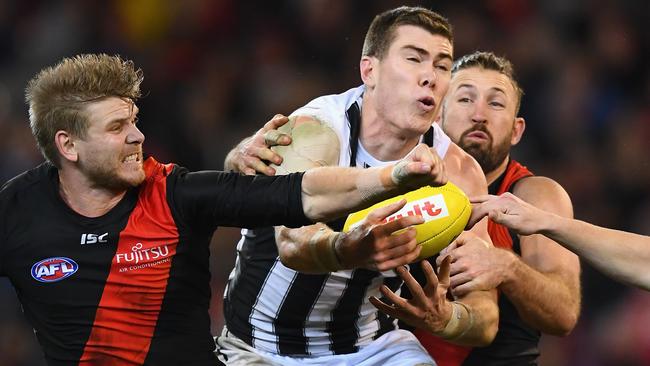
point(621, 255)
point(544, 284)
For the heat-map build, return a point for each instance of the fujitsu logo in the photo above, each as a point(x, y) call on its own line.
point(139, 254)
point(430, 208)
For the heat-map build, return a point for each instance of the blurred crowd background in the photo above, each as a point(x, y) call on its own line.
point(215, 71)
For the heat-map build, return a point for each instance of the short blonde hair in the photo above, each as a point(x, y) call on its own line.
point(57, 95)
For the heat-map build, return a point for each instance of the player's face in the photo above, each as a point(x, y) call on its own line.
point(412, 78)
point(110, 155)
point(479, 115)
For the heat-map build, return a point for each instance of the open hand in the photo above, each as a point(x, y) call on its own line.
point(429, 308)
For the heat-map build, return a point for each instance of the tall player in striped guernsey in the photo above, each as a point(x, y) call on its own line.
point(108, 251)
point(321, 314)
point(538, 280)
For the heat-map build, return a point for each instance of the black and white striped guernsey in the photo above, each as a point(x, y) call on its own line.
point(278, 310)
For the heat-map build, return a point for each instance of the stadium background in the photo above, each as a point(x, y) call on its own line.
point(215, 71)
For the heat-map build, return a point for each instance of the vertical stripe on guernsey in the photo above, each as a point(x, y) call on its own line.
point(135, 288)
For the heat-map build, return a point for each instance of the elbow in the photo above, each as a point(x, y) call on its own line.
point(485, 330)
point(313, 213)
point(561, 325)
point(489, 333)
point(312, 210)
point(317, 212)
point(564, 325)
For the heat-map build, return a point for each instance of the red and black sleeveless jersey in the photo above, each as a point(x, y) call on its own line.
point(130, 287)
point(515, 343)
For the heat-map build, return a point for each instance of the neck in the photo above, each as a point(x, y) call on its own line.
point(496, 173)
point(85, 198)
point(382, 139)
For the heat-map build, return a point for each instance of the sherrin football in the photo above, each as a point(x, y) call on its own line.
point(445, 209)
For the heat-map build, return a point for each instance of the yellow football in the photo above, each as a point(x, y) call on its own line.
point(445, 209)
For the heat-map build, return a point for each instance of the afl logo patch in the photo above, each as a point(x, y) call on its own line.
point(54, 269)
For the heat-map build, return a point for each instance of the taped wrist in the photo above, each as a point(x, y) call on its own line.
point(323, 251)
point(399, 173)
point(374, 182)
point(461, 321)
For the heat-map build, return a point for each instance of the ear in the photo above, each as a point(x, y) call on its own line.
point(367, 69)
point(518, 130)
point(65, 144)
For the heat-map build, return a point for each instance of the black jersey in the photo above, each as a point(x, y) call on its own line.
point(130, 287)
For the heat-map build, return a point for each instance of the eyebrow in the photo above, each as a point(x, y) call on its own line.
point(422, 51)
point(470, 86)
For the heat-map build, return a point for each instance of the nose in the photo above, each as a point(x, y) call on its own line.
point(429, 79)
point(135, 136)
point(478, 115)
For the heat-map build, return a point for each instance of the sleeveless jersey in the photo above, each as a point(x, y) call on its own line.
point(278, 310)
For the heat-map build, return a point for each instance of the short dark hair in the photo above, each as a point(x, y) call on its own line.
point(381, 32)
point(57, 95)
point(490, 61)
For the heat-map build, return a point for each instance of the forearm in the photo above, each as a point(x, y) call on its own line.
point(309, 249)
point(623, 256)
point(331, 192)
point(549, 302)
point(484, 319)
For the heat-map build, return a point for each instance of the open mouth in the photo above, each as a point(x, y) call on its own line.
point(427, 103)
point(133, 158)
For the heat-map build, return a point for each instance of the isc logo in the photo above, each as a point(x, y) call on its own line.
point(54, 269)
point(93, 238)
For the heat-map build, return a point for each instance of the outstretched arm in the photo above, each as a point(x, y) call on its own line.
point(331, 192)
point(621, 255)
point(543, 283)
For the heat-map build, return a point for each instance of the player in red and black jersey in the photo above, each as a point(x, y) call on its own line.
point(537, 279)
point(108, 252)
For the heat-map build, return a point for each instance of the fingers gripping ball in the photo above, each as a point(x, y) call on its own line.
point(445, 209)
point(313, 144)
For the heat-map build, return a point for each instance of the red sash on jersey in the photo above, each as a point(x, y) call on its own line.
point(133, 294)
point(443, 352)
point(498, 233)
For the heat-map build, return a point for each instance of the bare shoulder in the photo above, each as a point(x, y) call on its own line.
point(544, 193)
point(464, 171)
